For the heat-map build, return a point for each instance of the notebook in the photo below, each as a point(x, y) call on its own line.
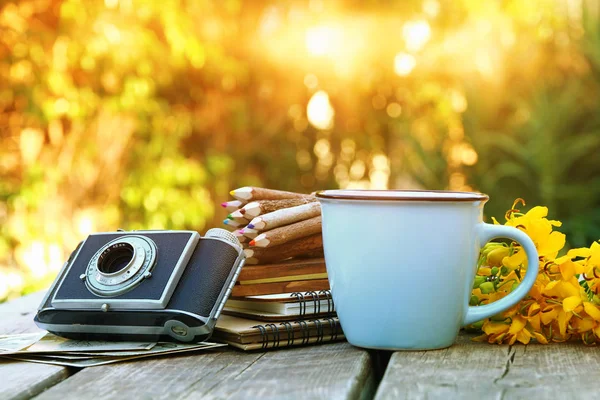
point(283, 306)
point(246, 334)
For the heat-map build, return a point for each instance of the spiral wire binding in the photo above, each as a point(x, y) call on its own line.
point(316, 302)
point(290, 333)
point(330, 304)
point(275, 340)
point(303, 299)
point(305, 331)
point(333, 324)
point(275, 331)
point(300, 298)
point(263, 335)
point(320, 332)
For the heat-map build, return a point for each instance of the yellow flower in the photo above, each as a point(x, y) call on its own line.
point(560, 305)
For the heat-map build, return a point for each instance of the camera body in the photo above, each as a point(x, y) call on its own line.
point(143, 286)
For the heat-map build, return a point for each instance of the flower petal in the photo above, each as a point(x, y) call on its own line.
point(524, 336)
point(570, 303)
point(537, 212)
point(515, 260)
point(492, 328)
point(553, 244)
point(548, 315)
point(540, 338)
point(567, 270)
point(582, 325)
point(592, 310)
point(518, 323)
point(535, 322)
point(563, 320)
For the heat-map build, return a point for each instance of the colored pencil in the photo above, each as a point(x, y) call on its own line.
point(285, 216)
point(240, 236)
point(249, 233)
point(248, 193)
point(242, 220)
point(256, 208)
point(287, 233)
point(240, 214)
point(232, 223)
point(233, 205)
point(306, 245)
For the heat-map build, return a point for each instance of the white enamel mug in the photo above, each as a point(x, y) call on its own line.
point(401, 264)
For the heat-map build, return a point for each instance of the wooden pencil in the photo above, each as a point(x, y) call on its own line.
point(285, 216)
point(240, 236)
point(233, 205)
point(242, 221)
point(294, 248)
point(249, 233)
point(248, 193)
point(232, 223)
point(256, 208)
point(240, 214)
point(287, 233)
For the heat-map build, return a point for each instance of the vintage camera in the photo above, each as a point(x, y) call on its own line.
point(143, 285)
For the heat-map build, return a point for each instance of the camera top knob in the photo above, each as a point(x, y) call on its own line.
point(222, 234)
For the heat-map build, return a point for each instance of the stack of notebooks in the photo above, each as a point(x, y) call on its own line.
point(280, 305)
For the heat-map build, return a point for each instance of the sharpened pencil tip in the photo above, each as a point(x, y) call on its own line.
point(224, 204)
point(252, 243)
point(241, 231)
point(250, 226)
point(229, 216)
point(232, 192)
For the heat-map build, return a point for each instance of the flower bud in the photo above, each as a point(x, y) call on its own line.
point(504, 271)
point(478, 281)
point(487, 287)
point(474, 301)
point(490, 247)
point(495, 270)
point(494, 257)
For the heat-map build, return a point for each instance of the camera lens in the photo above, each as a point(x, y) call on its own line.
point(115, 258)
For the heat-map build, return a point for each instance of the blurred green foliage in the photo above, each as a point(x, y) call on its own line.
point(144, 114)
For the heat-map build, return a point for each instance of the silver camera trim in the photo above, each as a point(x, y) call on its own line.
point(165, 329)
point(139, 304)
point(113, 284)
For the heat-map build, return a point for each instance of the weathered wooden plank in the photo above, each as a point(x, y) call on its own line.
point(334, 371)
point(485, 371)
point(22, 380)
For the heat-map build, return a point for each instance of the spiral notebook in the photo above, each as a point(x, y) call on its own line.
point(246, 334)
point(284, 306)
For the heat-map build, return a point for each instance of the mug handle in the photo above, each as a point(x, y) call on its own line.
point(487, 232)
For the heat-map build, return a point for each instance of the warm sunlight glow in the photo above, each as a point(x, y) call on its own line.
point(416, 34)
point(404, 64)
point(322, 40)
point(319, 111)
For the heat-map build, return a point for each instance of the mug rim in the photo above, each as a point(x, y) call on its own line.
point(401, 195)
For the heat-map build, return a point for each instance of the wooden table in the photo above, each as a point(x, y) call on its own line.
point(331, 371)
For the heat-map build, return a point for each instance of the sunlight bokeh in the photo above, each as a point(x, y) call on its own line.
point(137, 114)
